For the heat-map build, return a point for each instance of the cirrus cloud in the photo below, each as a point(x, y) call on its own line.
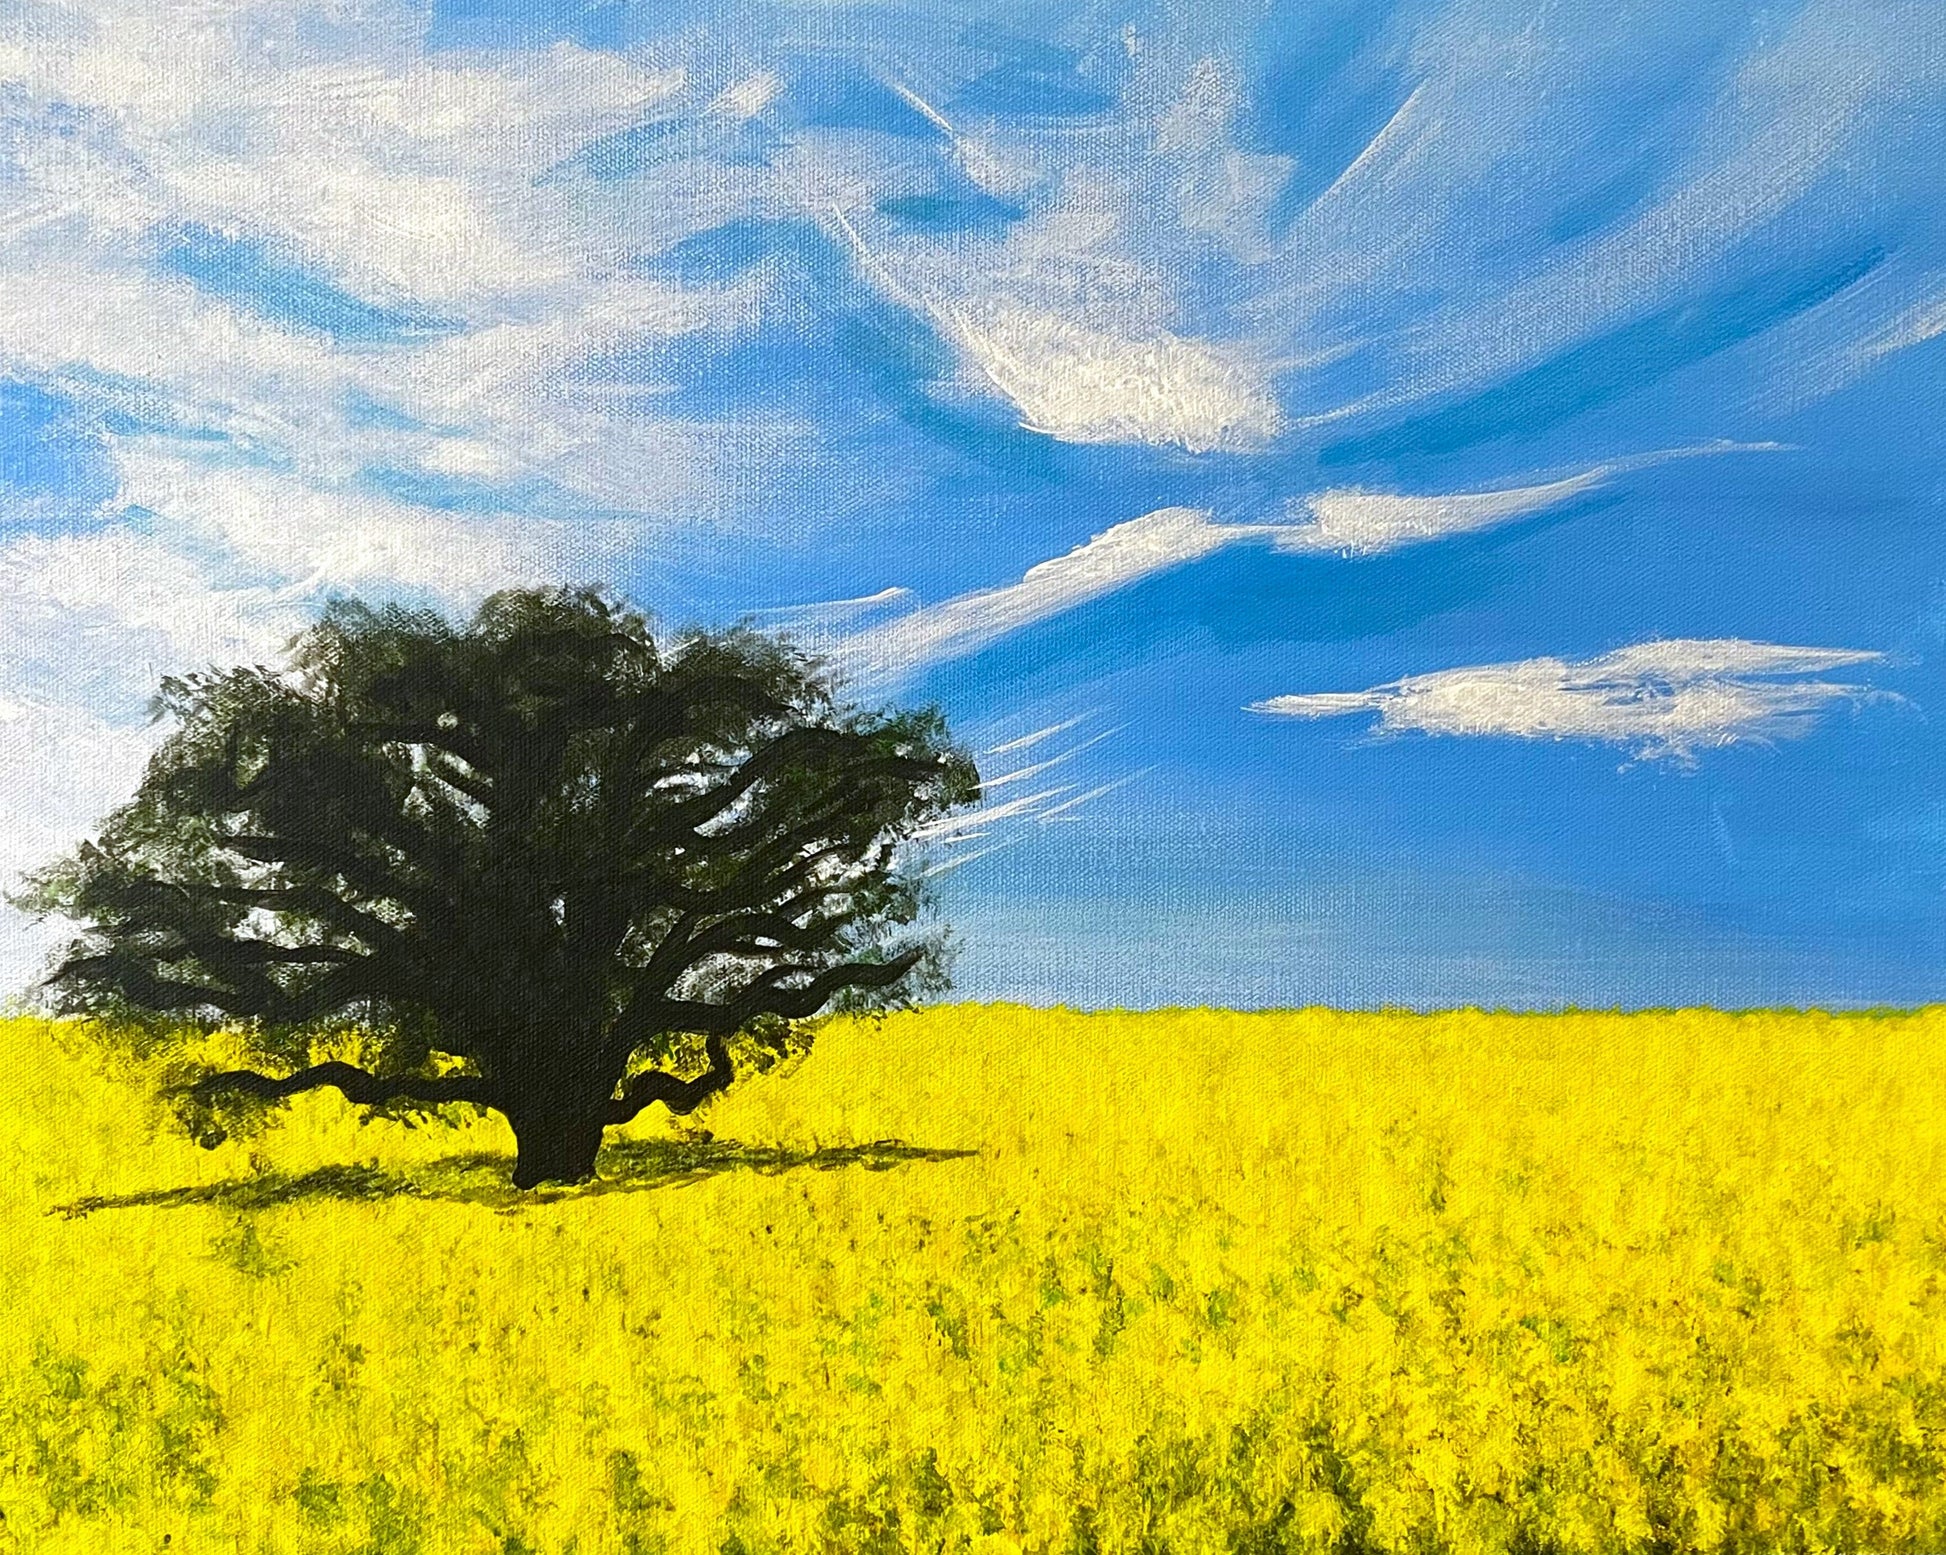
point(1118, 556)
point(1354, 522)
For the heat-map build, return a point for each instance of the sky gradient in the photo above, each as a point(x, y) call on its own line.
point(1416, 503)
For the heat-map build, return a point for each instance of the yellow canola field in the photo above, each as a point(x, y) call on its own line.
point(1206, 1282)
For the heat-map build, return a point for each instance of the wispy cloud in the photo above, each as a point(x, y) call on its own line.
point(1083, 385)
point(1067, 807)
point(1914, 325)
point(1036, 768)
point(1006, 818)
point(1111, 560)
point(998, 826)
point(1070, 373)
point(395, 169)
point(1345, 521)
point(1035, 736)
point(822, 620)
point(1666, 699)
point(1787, 129)
point(342, 158)
point(266, 526)
point(1356, 522)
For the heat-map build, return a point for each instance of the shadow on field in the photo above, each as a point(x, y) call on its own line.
point(625, 1166)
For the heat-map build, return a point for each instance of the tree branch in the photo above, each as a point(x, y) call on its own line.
point(140, 984)
point(686, 947)
point(679, 1095)
point(374, 878)
point(848, 798)
point(216, 949)
point(440, 766)
point(358, 1085)
point(455, 741)
point(345, 916)
point(765, 996)
point(682, 818)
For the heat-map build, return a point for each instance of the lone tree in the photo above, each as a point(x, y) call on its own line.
point(543, 863)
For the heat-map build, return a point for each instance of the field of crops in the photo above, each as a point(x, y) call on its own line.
point(1000, 1279)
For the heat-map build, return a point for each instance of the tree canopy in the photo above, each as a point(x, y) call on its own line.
point(545, 862)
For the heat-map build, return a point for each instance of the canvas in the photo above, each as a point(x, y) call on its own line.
point(972, 777)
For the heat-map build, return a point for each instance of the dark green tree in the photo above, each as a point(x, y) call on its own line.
point(544, 863)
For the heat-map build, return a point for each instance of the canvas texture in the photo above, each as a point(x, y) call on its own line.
point(990, 777)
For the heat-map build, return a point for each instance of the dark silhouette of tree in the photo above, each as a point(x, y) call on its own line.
point(543, 863)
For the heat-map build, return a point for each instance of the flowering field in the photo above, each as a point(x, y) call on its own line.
point(1001, 1279)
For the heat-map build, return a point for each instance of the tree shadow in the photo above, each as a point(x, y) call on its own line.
point(625, 1166)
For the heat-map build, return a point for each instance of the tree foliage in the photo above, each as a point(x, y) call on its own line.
point(543, 862)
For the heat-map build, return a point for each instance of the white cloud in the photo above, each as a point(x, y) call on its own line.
point(337, 147)
point(93, 621)
point(1073, 314)
point(1111, 560)
point(1471, 153)
point(1343, 521)
point(1083, 385)
point(1357, 522)
point(1665, 699)
point(262, 525)
point(398, 172)
point(1006, 818)
point(1911, 326)
point(61, 769)
point(748, 97)
point(1034, 737)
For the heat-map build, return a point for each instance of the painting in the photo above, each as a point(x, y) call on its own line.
point(832, 777)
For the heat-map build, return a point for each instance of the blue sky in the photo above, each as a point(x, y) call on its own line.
point(1417, 503)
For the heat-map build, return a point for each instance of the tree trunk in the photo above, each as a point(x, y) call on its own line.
point(555, 1146)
